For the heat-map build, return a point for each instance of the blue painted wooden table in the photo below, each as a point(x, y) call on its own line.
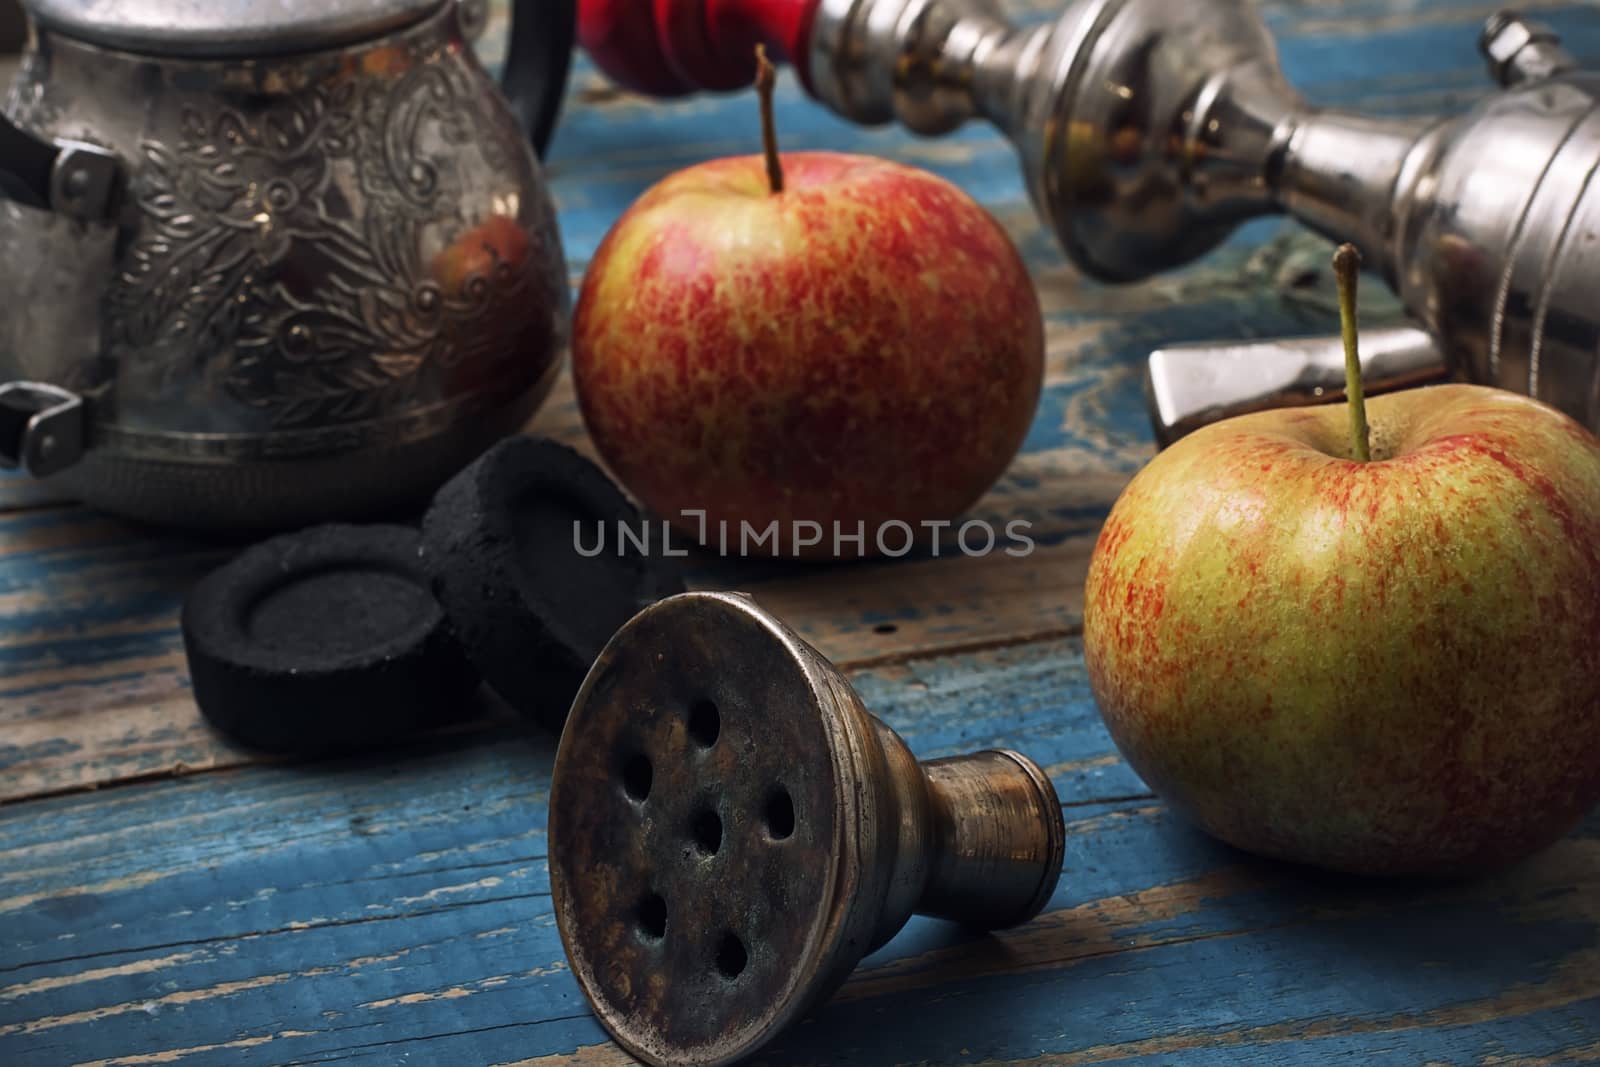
point(167, 898)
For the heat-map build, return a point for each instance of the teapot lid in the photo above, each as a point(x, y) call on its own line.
point(208, 29)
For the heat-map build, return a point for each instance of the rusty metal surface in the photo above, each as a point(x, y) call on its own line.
point(731, 832)
point(668, 871)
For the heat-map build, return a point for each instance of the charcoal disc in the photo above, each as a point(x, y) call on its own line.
point(329, 638)
point(528, 559)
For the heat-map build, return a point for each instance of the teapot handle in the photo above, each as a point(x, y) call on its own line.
point(69, 177)
point(535, 74)
point(42, 427)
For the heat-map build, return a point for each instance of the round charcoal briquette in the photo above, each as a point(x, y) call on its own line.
point(325, 639)
point(511, 544)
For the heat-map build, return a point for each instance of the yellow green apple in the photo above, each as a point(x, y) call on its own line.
point(1383, 667)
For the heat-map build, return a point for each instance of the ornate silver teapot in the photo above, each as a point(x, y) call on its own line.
point(266, 264)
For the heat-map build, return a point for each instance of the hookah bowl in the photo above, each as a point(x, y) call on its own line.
point(731, 831)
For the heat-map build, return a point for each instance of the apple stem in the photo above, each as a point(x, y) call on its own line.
point(766, 81)
point(1346, 266)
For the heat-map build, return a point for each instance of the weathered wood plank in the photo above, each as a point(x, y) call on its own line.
point(396, 907)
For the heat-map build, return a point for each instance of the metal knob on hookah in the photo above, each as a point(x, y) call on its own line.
point(731, 831)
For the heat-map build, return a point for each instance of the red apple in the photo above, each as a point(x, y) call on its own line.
point(862, 347)
point(1383, 667)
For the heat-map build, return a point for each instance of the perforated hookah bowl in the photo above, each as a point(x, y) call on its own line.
point(731, 831)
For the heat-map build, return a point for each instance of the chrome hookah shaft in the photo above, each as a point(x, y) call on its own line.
point(1149, 129)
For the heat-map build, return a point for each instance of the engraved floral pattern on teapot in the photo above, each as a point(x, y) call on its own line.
point(228, 202)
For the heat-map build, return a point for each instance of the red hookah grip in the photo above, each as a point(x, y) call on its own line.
point(676, 47)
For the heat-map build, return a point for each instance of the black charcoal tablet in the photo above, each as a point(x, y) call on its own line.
point(325, 639)
point(524, 550)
